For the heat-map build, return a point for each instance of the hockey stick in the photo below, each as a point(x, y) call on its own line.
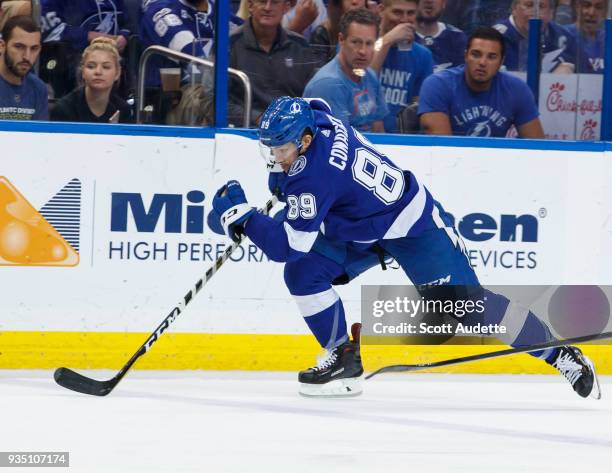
point(493, 354)
point(77, 382)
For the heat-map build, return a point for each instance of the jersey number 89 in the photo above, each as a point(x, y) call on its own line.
point(304, 206)
point(378, 176)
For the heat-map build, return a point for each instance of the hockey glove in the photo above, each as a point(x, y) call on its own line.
point(214, 222)
point(231, 206)
point(276, 183)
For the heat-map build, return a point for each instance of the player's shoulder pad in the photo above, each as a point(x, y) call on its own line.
point(318, 104)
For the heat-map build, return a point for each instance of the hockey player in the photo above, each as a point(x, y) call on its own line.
point(346, 204)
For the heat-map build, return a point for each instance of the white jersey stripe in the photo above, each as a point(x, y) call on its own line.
point(408, 217)
point(181, 39)
point(298, 240)
point(315, 303)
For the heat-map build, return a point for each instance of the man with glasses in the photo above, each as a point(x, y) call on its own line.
point(347, 83)
point(277, 61)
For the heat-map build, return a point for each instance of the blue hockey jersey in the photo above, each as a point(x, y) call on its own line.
point(345, 188)
point(177, 25)
point(590, 58)
point(447, 46)
point(102, 16)
point(558, 46)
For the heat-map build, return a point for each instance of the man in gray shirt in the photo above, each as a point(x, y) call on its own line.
point(278, 62)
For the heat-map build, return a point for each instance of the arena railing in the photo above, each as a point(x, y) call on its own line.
point(170, 53)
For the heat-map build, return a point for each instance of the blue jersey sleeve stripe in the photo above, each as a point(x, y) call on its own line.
point(299, 240)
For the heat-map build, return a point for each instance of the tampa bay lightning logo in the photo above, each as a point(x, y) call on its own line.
point(480, 129)
point(295, 107)
point(298, 166)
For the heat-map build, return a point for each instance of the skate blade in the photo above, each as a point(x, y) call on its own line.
point(347, 387)
point(596, 391)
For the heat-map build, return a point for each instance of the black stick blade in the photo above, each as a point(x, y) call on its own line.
point(77, 382)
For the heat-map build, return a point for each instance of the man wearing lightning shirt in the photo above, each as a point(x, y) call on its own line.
point(478, 99)
point(186, 26)
point(446, 43)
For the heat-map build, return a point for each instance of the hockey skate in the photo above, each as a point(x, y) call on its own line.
point(578, 370)
point(337, 373)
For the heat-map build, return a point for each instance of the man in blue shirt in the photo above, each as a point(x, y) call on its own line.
point(402, 62)
point(446, 43)
point(185, 26)
point(349, 208)
point(478, 99)
point(589, 35)
point(23, 96)
point(558, 46)
point(347, 83)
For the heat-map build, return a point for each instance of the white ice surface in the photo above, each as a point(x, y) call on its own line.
point(256, 422)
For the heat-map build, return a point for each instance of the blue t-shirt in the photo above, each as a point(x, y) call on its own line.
point(590, 51)
point(345, 188)
point(558, 46)
point(102, 16)
point(447, 46)
point(27, 101)
point(401, 77)
point(358, 103)
point(491, 113)
point(179, 26)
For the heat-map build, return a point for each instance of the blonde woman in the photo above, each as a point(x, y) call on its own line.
point(95, 101)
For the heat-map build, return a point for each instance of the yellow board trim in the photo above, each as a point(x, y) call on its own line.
point(195, 351)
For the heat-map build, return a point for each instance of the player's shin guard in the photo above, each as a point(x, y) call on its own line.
point(337, 373)
point(328, 325)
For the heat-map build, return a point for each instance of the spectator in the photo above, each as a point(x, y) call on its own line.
point(186, 26)
point(564, 13)
point(98, 18)
point(403, 63)
point(589, 35)
point(558, 46)
point(347, 83)
point(446, 43)
point(478, 99)
point(10, 8)
point(23, 96)
point(96, 102)
point(324, 39)
point(304, 16)
point(467, 15)
point(278, 62)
